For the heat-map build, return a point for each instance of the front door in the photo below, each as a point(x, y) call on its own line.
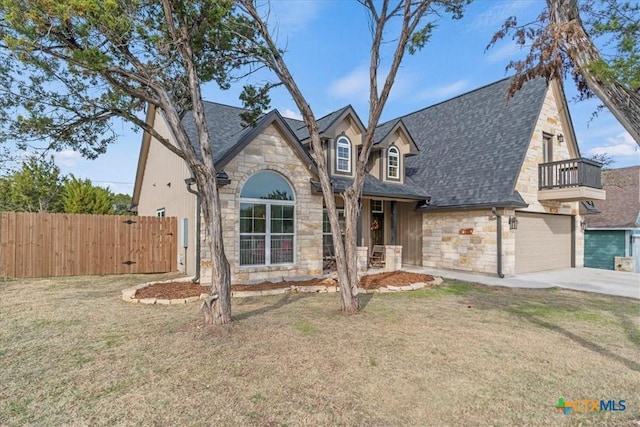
point(377, 222)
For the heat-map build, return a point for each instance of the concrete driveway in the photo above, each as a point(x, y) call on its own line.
point(579, 279)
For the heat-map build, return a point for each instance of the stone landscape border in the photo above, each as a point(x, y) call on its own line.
point(128, 295)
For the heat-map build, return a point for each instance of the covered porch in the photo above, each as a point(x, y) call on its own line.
point(389, 221)
point(389, 235)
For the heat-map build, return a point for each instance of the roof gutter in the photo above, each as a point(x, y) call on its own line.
point(499, 240)
point(510, 204)
point(189, 182)
point(387, 196)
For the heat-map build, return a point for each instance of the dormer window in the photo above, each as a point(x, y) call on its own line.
point(393, 163)
point(343, 155)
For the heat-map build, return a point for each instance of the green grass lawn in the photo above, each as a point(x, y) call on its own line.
point(73, 353)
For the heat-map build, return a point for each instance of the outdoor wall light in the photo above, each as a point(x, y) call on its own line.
point(560, 138)
point(513, 223)
point(583, 225)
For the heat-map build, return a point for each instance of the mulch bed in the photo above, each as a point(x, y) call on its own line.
point(176, 290)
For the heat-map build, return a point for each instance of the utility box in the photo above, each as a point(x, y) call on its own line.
point(184, 232)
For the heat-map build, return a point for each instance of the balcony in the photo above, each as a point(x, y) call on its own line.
point(570, 180)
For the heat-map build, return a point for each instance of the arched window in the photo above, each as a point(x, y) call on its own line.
point(343, 155)
point(267, 220)
point(393, 163)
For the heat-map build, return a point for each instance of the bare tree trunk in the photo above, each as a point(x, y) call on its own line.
point(218, 310)
point(411, 13)
point(623, 103)
point(350, 302)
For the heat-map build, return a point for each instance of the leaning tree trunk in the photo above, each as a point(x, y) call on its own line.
point(217, 307)
point(623, 102)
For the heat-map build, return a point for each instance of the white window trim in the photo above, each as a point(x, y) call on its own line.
point(381, 210)
point(396, 154)
point(267, 234)
point(338, 158)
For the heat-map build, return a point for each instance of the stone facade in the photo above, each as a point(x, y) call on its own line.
point(467, 241)
point(362, 258)
point(393, 257)
point(271, 151)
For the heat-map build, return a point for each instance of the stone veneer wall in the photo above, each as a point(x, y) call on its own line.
point(549, 122)
point(393, 257)
point(270, 151)
point(467, 241)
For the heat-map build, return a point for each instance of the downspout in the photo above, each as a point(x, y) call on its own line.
point(498, 240)
point(190, 181)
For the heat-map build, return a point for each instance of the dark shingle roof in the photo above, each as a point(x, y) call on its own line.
point(472, 146)
point(622, 207)
point(383, 130)
point(325, 122)
point(225, 127)
point(228, 135)
point(373, 187)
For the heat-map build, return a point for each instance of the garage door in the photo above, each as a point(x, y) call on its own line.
point(543, 242)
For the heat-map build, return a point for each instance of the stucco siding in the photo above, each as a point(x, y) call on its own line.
point(347, 128)
point(163, 187)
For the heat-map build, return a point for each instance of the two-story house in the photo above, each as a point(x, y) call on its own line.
point(472, 183)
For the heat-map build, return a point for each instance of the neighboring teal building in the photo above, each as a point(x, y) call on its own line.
point(615, 232)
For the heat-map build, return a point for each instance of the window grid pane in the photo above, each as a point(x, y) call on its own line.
point(252, 250)
point(393, 159)
point(343, 155)
point(281, 249)
point(267, 228)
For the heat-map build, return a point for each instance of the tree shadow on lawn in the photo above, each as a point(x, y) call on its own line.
point(531, 307)
point(288, 299)
point(285, 300)
point(631, 364)
point(630, 328)
point(364, 300)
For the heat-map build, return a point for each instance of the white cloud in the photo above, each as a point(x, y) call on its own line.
point(292, 114)
point(289, 17)
point(67, 158)
point(493, 17)
point(508, 51)
point(619, 145)
point(354, 85)
point(444, 92)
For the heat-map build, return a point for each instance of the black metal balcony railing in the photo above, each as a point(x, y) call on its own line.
point(569, 173)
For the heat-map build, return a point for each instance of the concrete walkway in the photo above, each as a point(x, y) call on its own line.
point(579, 279)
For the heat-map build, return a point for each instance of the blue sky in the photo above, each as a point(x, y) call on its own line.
point(327, 51)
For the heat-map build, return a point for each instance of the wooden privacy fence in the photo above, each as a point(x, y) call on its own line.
point(52, 244)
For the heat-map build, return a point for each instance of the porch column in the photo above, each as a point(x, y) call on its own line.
point(394, 222)
point(359, 241)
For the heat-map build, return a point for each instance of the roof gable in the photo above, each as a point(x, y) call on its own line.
point(326, 123)
point(142, 157)
point(382, 134)
point(273, 117)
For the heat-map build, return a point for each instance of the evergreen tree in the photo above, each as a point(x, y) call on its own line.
point(35, 187)
point(81, 197)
